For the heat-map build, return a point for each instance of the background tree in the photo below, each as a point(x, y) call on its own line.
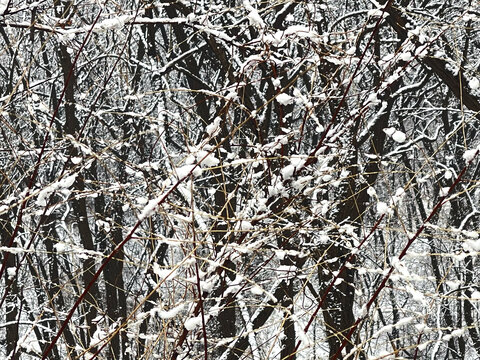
point(239, 180)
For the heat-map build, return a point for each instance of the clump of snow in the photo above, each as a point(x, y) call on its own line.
point(469, 155)
point(399, 136)
point(60, 246)
point(115, 23)
point(243, 225)
point(376, 13)
point(395, 134)
point(277, 83)
point(184, 171)
point(444, 191)
point(206, 158)
point(470, 234)
point(11, 271)
point(288, 171)
point(397, 198)
point(416, 295)
point(253, 15)
point(99, 335)
point(62, 184)
point(213, 128)
point(475, 295)
point(373, 99)
point(255, 19)
point(76, 160)
point(471, 246)
point(194, 322)
point(256, 290)
point(457, 332)
point(400, 192)
point(351, 51)
point(389, 131)
point(474, 84)
point(163, 273)
point(67, 181)
point(284, 99)
point(406, 56)
point(206, 286)
point(168, 314)
point(420, 327)
point(142, 200)
point(382, 208)
point(405, 321)
point(149, 209)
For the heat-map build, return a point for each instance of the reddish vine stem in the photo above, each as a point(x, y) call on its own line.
point(332, 283)
point(78, 138)
point(102, 267)
point(44, 144)
point(110, 257)
point(382, 285)
point(312, 157)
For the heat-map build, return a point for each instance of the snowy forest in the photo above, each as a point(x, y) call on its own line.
point(239, 179)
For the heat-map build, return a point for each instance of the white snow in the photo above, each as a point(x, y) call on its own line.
point(207, 286)
point(474, 84)
point(255, 19)
point(112, 24)
point(76, 160)
point(67, 181)
point(300, 31)
point(243, 225)
point(64, 183)
point(194, 322)
point(376, 12)
point(287, 172)
point(389, 131)
point(168, 314)
point(284, 99)
point(149, 209)
point(11, 271)
point(277, 83)
point(405, 321)
point(420, 327)
point(400, 192)
point(184, 171)
point(398, 136)
point(60, 246)
point(395, 134)
point(256, 290)
point(253, 15)
point(471, 246)
point(351, 51)
point(213, 128)
point(475, 295)
point(470, 234)
point(207, 159)
point(469, 155)
point(163, 273)
point(406, 56)
point(13, 250)
point(444, 191)
point(371, 192)
point(3, 6)
point(457, 332)
point(382, 208)
point(373, 100)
